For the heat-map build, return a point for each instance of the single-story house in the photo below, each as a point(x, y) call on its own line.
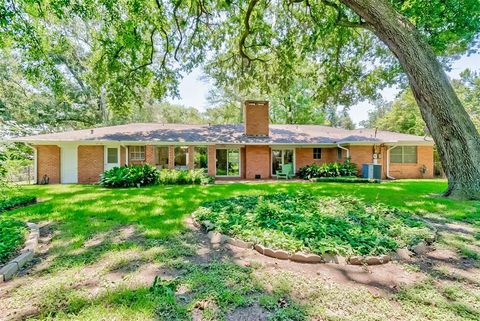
point(255, 149)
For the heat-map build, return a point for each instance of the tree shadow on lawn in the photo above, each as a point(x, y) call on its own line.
point(194, 278)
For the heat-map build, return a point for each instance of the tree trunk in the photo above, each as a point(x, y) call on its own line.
point(457, 140)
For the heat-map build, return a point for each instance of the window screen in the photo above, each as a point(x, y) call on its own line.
point(112, 155)
point(404, 155)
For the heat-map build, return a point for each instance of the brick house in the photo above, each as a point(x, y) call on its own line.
point(253, 150)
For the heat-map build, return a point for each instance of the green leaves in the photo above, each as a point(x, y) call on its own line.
point(307, 222)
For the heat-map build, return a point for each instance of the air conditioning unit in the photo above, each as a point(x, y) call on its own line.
point(372, 171)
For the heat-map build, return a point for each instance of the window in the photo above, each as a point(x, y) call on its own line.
point(317, 153)
point(404, 155)
point(200, 158)
point(228, 162)
point(161, 156)
point(137, 153)
point(112, 155)
point(339, 153)
point(181, 157)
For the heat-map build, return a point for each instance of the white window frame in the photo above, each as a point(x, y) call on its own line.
point(187, 156)
point(403, 155)
point(313, 153)
point(133, 154)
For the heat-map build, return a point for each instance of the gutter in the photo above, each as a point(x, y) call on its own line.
point(344, 148)
point(387, 174)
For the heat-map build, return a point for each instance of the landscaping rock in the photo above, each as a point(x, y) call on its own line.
point(372, 260)
point(306, 258)
point(196, 224)
point(422, 248)
point(355, 260)
point(22, 259)
point(337, 259)
point(269, 252)
point(240, 243)
point(260, 249)
point(208, 225)
point(8, 271)
point(281, 255)
point(30, 245)
point(403, 255)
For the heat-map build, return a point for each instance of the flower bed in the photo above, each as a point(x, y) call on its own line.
point(12, 237)
point(309, 223)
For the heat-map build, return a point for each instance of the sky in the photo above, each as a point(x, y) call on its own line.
point(194, 90)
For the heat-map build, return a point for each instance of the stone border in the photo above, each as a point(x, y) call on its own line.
point(12, 267)
point(405, 254)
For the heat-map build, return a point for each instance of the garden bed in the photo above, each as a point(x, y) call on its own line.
point(7, 204)
point(314, 225)
point(12, 237)
point(346, 180)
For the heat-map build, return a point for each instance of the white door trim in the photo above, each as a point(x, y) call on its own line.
point(106, 165)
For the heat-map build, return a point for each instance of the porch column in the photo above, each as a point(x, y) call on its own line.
point(212, 160)
point(191, 154)
point(171, 157)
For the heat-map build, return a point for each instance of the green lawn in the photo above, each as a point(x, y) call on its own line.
point(99, 234)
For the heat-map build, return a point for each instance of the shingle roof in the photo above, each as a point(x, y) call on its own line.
point(225, 134)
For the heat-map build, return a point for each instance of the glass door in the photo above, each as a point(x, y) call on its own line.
point(281, 157)
point(228, 162)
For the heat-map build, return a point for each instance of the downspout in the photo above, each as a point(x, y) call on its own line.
point(388, 163)
point(344, 148)
point(34, 162)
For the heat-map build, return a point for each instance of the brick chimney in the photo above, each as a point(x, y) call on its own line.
point(256, 118)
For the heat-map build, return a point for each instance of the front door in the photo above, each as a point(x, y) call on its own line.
point(112, 157)
point(281, 157)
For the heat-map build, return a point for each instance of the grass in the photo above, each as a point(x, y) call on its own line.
point(105, 241)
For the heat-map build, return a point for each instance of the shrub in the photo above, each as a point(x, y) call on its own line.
point(10, 203)
point(130, 176)
point(143, 175)
point(346, 168)
point(12, 237)
point(194, 176)
point(312, 223)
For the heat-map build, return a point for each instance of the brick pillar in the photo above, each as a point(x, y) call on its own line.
point(48, 163)
point(212, 160)
point(149, 155)
point(123, 156)
point(191, 155)
point(171, 156)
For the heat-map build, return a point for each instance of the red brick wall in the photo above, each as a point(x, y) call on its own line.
point(256, 118)
point(48, 163)
point(90, 163)
point(212, 160)
point(191, 155)
point(171, 157)
point(257, 161)
point(304, 157)
point(424, 157)
point(149, 155)
point(123, 157)
point(361, 155)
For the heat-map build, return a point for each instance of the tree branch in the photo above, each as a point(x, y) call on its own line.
point(246, 32)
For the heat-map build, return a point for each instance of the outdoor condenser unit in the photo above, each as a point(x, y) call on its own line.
point(372, 171)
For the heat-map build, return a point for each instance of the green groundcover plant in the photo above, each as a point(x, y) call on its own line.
point(8, 203)
point(345, 169)
point(12, 237)
point(144, 175)
point(311, 223)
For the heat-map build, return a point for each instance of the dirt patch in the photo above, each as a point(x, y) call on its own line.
point(252, 312)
